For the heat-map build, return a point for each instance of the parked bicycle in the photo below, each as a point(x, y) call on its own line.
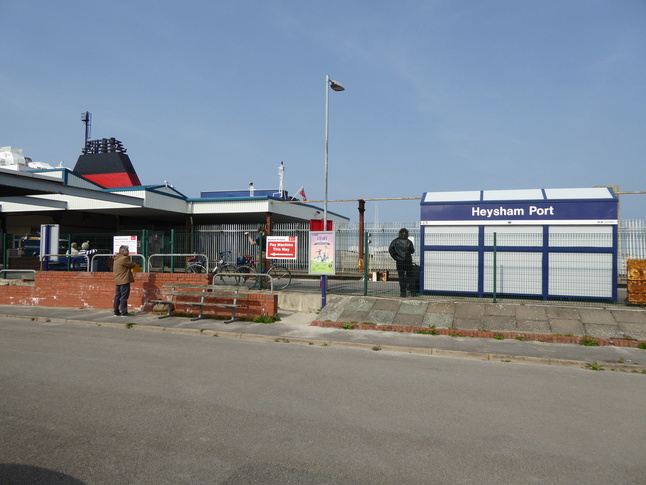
point(222, 267)
point(281, 276)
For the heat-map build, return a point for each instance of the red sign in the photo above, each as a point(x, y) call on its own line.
point(281, 247)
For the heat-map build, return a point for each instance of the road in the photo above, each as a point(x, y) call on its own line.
point(101, 405)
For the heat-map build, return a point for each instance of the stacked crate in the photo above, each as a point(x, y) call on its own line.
point(636, 281)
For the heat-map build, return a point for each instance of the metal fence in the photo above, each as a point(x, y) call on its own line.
point(375, 274)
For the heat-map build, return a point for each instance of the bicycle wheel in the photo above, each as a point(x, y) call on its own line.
point(248, 276)
point(281, 277)
point(195, 268)
point(226, 274)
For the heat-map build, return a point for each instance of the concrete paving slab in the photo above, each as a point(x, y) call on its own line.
point(438, 320)
point(353, 316)
point(561, 313)
point(413, 307)
point(469, 323)
point(533, 326)
point(633, 330)
point(409, 319)
point(333, 309)
point(594, 315)
point(381, 317)
point(498, 309)
point(441, 307)
point(629, 316)
point(501, 323)
point(531, 312)
point(469, 310)
point(603, 331)
point(360, 304)
point(386, 304)
point(566, 327)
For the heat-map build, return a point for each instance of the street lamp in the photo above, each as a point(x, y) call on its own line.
point(335, 86)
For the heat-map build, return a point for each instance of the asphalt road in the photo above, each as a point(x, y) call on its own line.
point(108, 405)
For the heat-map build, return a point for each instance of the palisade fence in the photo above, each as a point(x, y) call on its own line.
point(381, 279)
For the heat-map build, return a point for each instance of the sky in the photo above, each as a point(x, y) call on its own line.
point(441, 95)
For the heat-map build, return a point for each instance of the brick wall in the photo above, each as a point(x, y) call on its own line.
point(96, 290)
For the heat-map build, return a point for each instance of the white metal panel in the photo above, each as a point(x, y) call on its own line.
point(451, 235)
point(518, 273)
point(520, 194)
point(582, 274)
point(451, 271)
point(514, 235)
point(582, 193)
point(458, 196)
point(581, 236)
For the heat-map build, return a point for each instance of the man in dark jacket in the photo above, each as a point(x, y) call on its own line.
point(401, 250)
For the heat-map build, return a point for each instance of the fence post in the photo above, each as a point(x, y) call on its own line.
point(172, 250)
point(365, 263)
point(494, 266)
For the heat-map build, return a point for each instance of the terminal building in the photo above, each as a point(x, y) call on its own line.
point(104, 194)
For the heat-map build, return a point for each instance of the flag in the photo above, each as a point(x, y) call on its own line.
point(301, 192)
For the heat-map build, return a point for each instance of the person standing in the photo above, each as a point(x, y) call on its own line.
point(401, 250)
point(261, 242)
point(122, 269)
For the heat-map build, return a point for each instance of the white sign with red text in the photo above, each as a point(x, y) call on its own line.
point(130, 241)
point(282, 247)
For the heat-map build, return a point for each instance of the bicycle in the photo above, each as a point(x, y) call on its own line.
point(222, 267)
point(281, 276)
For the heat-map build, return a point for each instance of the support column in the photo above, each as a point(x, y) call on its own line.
point(362, 210)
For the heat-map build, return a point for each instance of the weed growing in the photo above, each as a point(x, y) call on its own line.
point(589, 342)
point(594, 366)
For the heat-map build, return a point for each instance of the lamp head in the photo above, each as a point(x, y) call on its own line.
point(336, 86)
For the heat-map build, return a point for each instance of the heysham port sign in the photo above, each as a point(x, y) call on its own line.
point(541, 213)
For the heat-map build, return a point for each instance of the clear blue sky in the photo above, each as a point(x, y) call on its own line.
point(440, 94)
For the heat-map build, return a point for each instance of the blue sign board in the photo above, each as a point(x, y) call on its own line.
point(546, 212)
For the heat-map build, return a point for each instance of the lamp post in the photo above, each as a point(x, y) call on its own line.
point(335, 86)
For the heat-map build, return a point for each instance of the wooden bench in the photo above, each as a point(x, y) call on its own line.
point(184, 294)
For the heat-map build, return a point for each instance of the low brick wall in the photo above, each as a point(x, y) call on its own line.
point(96, 290)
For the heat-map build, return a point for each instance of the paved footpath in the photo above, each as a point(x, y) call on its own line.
point(503, 332)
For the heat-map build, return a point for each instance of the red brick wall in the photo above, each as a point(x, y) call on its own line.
point(96, 290)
